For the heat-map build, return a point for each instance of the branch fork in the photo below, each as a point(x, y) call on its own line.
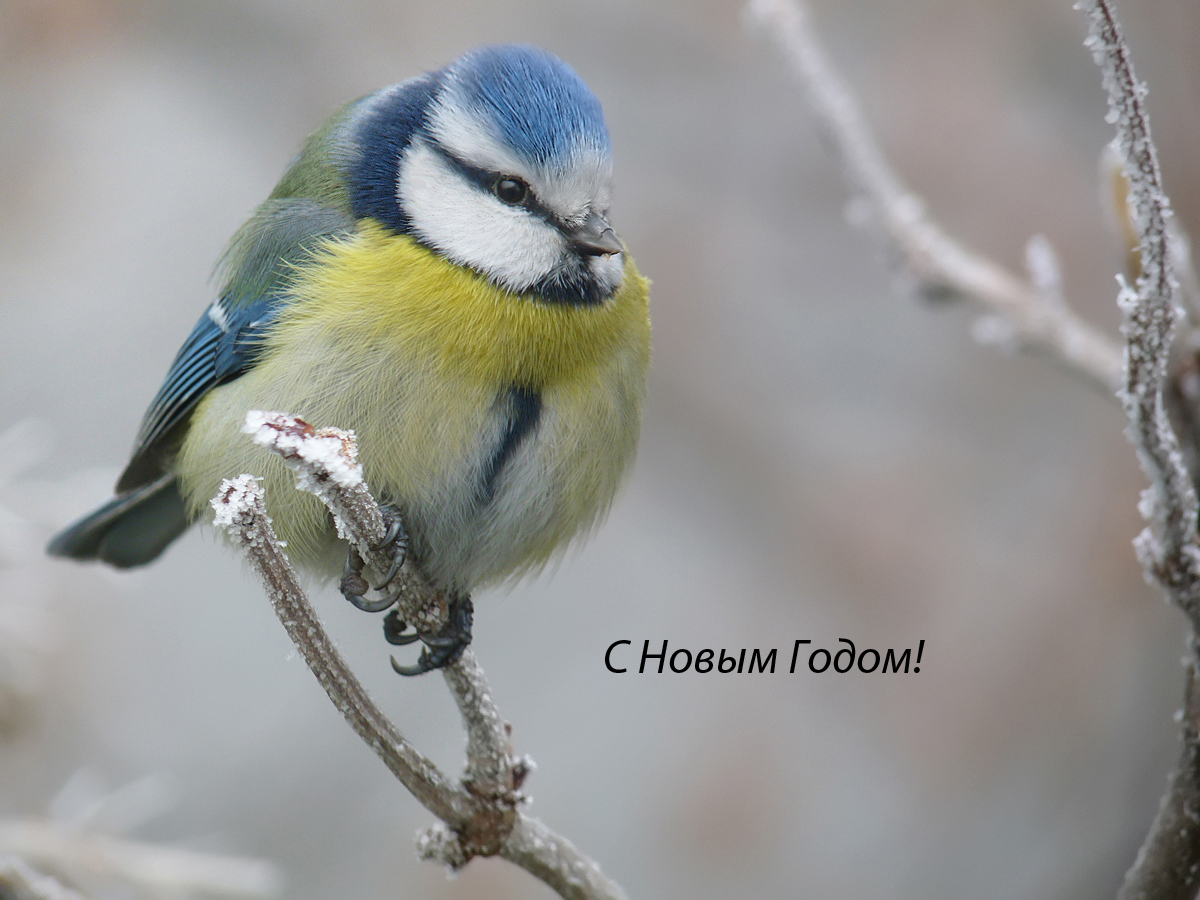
point(1022, 313)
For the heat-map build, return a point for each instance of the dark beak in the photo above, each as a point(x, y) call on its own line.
point(595, 237)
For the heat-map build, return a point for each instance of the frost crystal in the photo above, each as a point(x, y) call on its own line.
point(236, 498)
point(315, 454)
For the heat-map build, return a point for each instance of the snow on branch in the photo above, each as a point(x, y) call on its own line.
point(1023, 313)
point(325, 464)
point(479, 813)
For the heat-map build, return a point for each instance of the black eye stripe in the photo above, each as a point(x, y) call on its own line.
point(487, 182)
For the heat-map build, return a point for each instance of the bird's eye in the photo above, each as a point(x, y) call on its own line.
point(511, 190)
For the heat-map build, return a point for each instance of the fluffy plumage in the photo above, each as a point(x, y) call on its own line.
point(435, 270)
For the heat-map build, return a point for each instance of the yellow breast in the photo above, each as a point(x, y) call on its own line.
point(383, 336)
point(388, 288)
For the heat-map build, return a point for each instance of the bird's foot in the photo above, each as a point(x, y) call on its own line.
point(354, 585)
point(440, 649)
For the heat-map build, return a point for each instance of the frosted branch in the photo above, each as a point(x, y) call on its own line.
point(241, 512)
point(325, 463)
point(553, 859)
point(1167, 864)
point(1168, 547)
point(1034, 315)
point(479, 814)
point(1029, 318)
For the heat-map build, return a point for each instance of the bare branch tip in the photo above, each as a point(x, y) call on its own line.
point(939, 267)
point(236, 499)
point(325, 453)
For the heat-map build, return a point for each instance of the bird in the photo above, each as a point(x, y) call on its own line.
point(436, 271)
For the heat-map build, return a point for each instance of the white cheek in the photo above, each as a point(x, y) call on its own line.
point(471, 228)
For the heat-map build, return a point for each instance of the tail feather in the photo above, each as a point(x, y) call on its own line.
point(129, 530)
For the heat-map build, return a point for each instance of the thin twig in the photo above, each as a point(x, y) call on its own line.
point(153, 869)
point(479, 815)
point(242, 513)
point(941, 266)
point(1167, 865)
point(1168, 547)
point(554, 859)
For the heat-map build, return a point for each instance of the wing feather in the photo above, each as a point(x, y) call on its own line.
point(226, 342)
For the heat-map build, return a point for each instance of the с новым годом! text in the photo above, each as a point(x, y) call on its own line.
point(844, 658)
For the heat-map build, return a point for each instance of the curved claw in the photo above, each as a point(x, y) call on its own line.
point(394, 629)
point(402, 640)
point(393, 626)
point(371, 606)
point(352, 579)
point(354, 587)
point(397, 562)
point(440, 649)
point(418, 669)
point(393, 532)
point(444, 640)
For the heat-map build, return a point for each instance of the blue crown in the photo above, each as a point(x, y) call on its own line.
point(538, 104)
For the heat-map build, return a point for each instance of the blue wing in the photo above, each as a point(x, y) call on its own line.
point(308, 207)
point(225, 343)
point(261, 260)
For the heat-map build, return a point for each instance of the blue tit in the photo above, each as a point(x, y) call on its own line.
point(436, 271)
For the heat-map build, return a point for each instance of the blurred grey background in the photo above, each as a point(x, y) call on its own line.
point(822, 458)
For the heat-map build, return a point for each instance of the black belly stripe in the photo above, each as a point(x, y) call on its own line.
point(524, 410)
